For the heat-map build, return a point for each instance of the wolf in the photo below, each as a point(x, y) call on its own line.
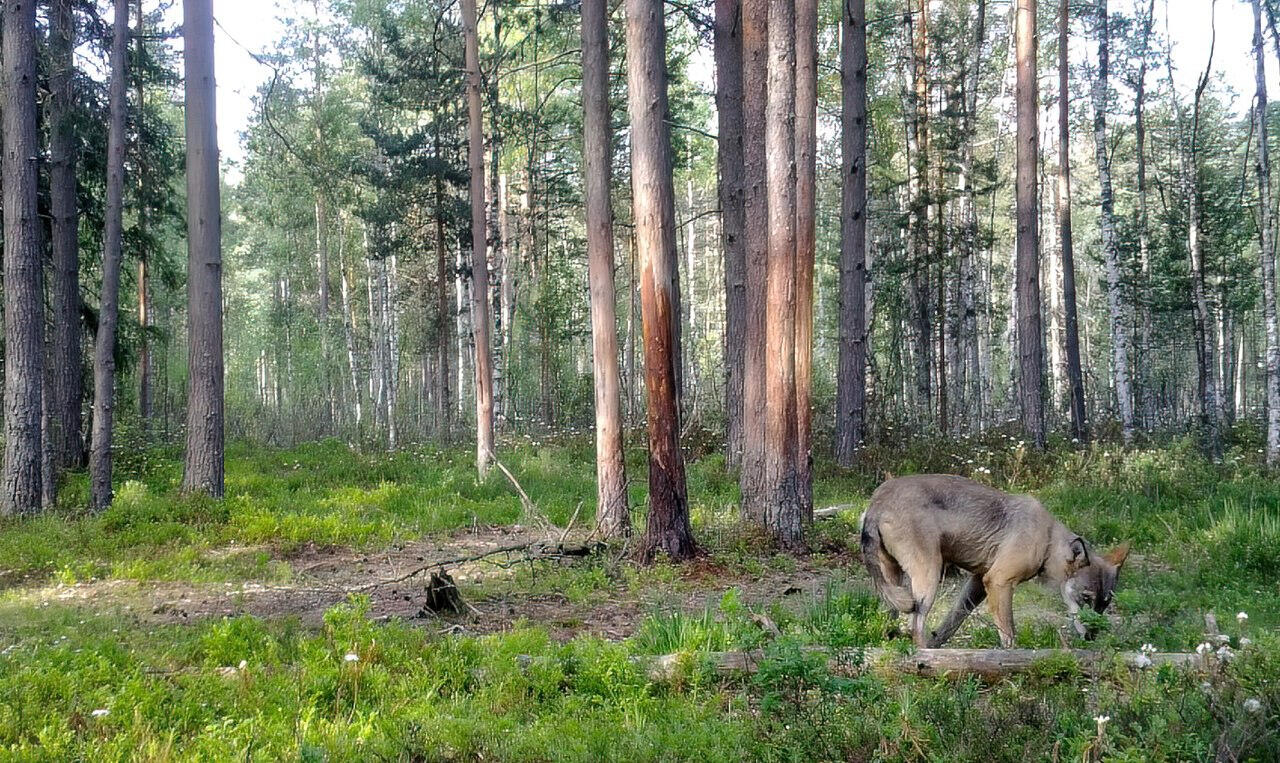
point(915, 526)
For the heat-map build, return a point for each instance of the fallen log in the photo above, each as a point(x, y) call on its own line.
point(984, 663)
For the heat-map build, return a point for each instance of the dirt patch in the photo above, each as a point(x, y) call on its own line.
point(500, 592)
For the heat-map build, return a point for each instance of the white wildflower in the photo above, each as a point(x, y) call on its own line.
point(351, 657)
point(100, 712)
point(1142, 662)
point(1204, 648)
point(1253, 705)
point(1101, 720)
point(1147, 649)
point(1241, 617)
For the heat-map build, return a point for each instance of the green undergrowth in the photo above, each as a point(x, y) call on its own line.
point(1205, 537)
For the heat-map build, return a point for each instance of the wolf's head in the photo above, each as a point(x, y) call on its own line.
point(1094, 581)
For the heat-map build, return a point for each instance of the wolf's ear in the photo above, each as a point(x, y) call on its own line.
point(1118, 554)
point(1079, 552)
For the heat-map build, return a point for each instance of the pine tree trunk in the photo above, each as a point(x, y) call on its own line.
point(756, 203)
point(971, 363)
point(145, 404)
point(851, 381)
point(104, 363)
point(1071, 324)
point(729, 112)
point(806, 153)
point(612, 513)
point(66, 359)
point(653, 197)
point(1029, 335)
point(1266, 247)
point(23, 301)
point(1107, 222)
point(479, 259)
point(784, 517)
point(203, 471)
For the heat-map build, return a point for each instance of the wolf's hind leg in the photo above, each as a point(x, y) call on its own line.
point(973, 594)
point(924, 589)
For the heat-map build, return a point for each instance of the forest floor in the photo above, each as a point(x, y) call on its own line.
point(268, 625)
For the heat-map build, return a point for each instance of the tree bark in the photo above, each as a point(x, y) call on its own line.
point(756, 203)
point(145, 404)
point(1029, 334)
point(1110, 244)
point(1266, 246)
point(851, 381)
point(806, 153)
point(479, 259)
point(729, 112)
point(784, 515)
point(1070, 319)
point(104, 364)
point(653, 198)
point(612, 513)
point(203, 470)
point(66, 359)
point(23, 291)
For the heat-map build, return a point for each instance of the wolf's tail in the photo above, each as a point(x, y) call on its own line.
point(875, 557)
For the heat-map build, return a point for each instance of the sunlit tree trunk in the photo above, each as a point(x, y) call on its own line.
point(203, 471)
point(851, 381)
point(479, 259)
point(806, 155)
point(1029, 334)
point(612, 513)
point(104, 363)
point(23, 300)
point(653, 199)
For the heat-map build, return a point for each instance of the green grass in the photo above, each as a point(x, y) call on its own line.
point(1206, 537)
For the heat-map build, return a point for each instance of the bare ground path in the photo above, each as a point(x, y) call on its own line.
point(501, 590)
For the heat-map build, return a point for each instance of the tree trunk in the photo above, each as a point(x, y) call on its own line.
point(1143, 379)
point(806, 151)
point(1266, 247)
point(145, 404)
point(1029, 335)
point(67, 365)
point(969, 265)
point(1210, 407)
point(444, 316)
point(479, 259)
point(23, 292)
point(784, 515)
point(1071, 325)
point(653, 198)
point(612, 513)
point(755, 26)
point(104, 364)
point(729, 112)
point(1107, 221)
point(203, 470)
point(851, 381)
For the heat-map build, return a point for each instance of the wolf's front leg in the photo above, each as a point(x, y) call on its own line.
point(971, 596)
